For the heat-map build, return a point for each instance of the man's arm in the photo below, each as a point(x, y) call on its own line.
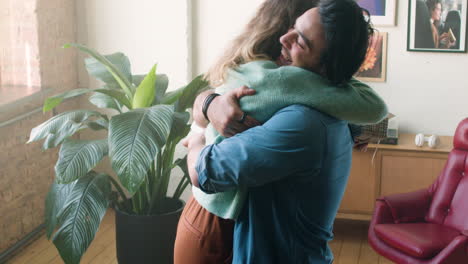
point(290, 143)
point(224, 112)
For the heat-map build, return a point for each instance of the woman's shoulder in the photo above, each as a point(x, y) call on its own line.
point(254, 72)
point(257, 66)
point(268, 68)
point(292, 75)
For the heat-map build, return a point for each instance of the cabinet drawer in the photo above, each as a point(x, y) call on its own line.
point(402, 171)
point(359, 196)
point(395, 169)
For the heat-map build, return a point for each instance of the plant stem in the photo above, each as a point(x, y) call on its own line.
point(120, 191)
point(149, 183)
point(164, 168)
point(135, 203)
point(149, 189)
point(162, 182)
point(144, 192)
point(168, 160)
point(140, 199)
point(181, 187)
point(157, 181)
point(177, 190)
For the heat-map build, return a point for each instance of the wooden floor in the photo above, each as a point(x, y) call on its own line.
point(349, 246)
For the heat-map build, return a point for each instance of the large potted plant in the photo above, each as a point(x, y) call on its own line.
point(141, 141)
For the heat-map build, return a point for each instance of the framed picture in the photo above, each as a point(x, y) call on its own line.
point(437, 25)
point(374, 67)
point(383, 12)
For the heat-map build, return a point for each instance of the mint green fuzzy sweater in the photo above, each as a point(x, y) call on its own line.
point(277, 87)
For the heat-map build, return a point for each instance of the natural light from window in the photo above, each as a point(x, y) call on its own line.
point(19, 60)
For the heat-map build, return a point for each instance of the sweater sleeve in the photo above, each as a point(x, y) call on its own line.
point(278, 87)
point(374, 105)
point(354, 101)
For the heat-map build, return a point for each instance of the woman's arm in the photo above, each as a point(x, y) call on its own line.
point(278, 87)
point(198, 116)
point(375, 107)
point(194, 143)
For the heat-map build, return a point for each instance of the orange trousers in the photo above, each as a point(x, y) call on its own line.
point(202, 237)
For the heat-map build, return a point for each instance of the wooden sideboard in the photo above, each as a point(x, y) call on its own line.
point(388, 169)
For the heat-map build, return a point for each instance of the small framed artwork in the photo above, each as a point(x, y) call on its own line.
point(374, 68)
point(383, 12)
point(437, 25)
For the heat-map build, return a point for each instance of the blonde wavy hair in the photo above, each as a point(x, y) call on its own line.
point(260, 38)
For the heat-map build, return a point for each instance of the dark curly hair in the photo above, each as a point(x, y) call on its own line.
point(347, 31)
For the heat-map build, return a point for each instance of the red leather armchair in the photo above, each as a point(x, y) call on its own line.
point(428, 226)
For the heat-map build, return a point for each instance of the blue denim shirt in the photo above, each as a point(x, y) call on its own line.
point(295, 167)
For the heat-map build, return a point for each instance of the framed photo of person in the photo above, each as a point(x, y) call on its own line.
point(374, 68)
point(437, 25)
point(383, 12)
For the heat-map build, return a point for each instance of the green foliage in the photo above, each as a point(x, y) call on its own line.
point(54, 203)
point(140, 143)
point(51, 102)
point(144, 95)
point(62, 126)
point(105, 101)
point(119, 78)
point(134, 139)
point(97, 69)
point(78, 157)
point(81, 215)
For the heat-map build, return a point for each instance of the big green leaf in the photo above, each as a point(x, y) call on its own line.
point(134, 139)
point(118, 76)
point(61, 126)
point(117, 95)
point(56, 197)
point(105, 101)
point(98, 124)
point(51, 102)
point(190, 92)
point(185, 94)
point(179, 128)
point(137, 79)
point(145, 92)
point(172, 96)
point(77, 158)
point(98, 70)
point(162, 82)
point(81, 215)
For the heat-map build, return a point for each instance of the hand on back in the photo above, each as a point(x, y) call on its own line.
point(225, 113)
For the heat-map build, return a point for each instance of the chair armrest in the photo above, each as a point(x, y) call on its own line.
point(382, 214)
point(455, 252)
point(408, 207)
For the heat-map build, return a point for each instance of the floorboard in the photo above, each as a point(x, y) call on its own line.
point(349, 246)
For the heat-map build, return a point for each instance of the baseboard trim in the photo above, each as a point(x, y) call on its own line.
point(13, 250)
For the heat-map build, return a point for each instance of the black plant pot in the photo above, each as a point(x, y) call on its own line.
point(147, 238)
